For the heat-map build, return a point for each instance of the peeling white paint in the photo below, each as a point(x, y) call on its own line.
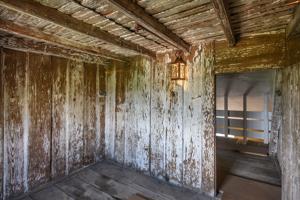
point(98, 114)
point(26, 124)
point(67, 124)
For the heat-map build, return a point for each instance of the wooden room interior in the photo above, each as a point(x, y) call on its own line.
point(150, 99)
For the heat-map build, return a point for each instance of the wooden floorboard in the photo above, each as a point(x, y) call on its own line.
point(78, 189)
point(26, 198)
point(237, 188)
point(50, 193)
point(106, 184)
point(260, 168)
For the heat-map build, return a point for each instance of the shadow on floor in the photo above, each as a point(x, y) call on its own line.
point(247, 177)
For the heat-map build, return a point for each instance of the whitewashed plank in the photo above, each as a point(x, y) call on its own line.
point(158, 118)
point(110, 113)
point(75, 115)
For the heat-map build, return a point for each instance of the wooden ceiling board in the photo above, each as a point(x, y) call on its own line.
point(191, 20)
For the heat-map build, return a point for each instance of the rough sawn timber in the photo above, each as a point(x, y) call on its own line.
point(38, 10)
point(222, 10)
point(137, 13)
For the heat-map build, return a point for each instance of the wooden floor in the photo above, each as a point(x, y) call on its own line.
point(247, 177)
point(260, 168)
point(107, 181)
point(237, 188)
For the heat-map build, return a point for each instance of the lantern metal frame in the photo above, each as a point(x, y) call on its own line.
point(178, 67)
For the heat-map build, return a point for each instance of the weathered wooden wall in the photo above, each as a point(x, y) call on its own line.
point(290, 144)
point(251, 54)
point(52, 118)
point(1, 127)
point(164, 127)
point(58, 115)
point(289, 152)
point(276, 126)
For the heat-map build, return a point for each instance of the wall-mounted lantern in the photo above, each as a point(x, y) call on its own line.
point(178, 67)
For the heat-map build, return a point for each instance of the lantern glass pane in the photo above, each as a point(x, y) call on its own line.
point(182, 71)
point(174, 71)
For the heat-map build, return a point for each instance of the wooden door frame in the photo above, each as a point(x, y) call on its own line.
point(217, 73)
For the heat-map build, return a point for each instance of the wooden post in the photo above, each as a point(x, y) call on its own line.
point(245, 118)
point(266, 119)
point(226, 115)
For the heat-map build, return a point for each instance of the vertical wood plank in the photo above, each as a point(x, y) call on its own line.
point(290, 145)
point(174, 139)
point(158, 118)
point(137, 134)
point(110, 107)
point(13, 98)
point(90, 73)
point(39, 92)
point(142, 104)
point(130, 116)
point(58, 164)
point(120, 116)
point(97, 116)
point(101, 91)
point(245, 118)
point(276, 124)
point(1, 121)
point(75, 115)
point(207, 130)
point(193, 121)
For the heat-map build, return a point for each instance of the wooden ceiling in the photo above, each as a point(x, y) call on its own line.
point(122, 27)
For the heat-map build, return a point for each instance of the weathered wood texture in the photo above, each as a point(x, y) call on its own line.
point(89, 126)
point(85, 51)
point(276, 125)
point(222, 10)
point(289, 151)
point(53, 118)
point(290, 145)
point(293, 28)
point(1, 124)
point(191, 21)
point(59, 116)
point(39, 113)
point(23, 44)
point(139, 14)
point(164, 127)
point(66, 21)
point(110, 117)
point(251, 54)
point(13, 77)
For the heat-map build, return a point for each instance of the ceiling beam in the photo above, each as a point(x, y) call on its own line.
point(291, 29)
point(138, 14)
point(23, 44)
point(221, 10)
point(10, 27)
point(38, 10)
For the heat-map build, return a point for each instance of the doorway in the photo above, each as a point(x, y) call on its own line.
point(244, 105)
